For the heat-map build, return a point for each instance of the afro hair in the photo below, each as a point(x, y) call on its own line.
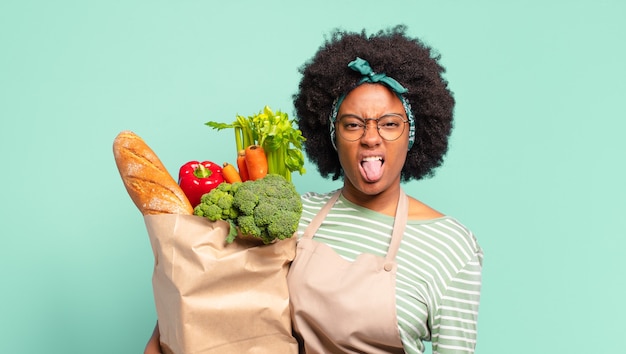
point(326, 76)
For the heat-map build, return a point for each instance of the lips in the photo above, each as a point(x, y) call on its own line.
point(372, 168)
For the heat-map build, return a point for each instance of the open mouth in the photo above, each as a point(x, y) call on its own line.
point(372, 168)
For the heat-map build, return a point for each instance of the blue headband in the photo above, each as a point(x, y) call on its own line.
point(363, 67)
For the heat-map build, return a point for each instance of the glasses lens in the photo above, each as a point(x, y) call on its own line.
point(351, 128)
point(390, 127)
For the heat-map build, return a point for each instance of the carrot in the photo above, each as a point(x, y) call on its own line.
point(256, 162)
point(241, 164)
point(230, 173)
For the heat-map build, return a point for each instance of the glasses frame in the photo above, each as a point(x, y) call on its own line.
point(365, 125)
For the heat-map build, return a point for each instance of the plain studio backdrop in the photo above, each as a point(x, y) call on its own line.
point(535, 166)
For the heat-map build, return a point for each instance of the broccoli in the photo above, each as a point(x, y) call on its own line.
point(247, 226)
point(268, 208)
point(246, 200)
point(217, 204)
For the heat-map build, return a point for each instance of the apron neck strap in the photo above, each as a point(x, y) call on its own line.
point(399, 225)
point(321, 215)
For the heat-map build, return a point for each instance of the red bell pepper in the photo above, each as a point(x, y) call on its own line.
point(196, 179)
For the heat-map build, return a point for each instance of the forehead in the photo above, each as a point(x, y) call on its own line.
point(371, 100)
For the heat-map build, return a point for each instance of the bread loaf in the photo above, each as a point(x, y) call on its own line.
point(149, 184)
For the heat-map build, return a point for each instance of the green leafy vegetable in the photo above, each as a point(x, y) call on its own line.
point(275, 132)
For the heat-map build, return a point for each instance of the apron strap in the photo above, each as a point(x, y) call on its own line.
point(399, 225)
point(321, 215)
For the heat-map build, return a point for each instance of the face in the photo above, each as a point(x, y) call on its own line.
point(371, 164)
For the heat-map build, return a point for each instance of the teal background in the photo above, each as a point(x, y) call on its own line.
point(535, 168)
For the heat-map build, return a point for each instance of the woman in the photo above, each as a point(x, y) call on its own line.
point(375, 271)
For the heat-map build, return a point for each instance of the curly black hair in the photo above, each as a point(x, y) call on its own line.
point(416, 66)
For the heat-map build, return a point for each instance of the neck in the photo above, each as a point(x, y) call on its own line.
point(384, 202)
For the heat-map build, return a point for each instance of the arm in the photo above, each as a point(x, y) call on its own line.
point(455, 324)
point(154, 346)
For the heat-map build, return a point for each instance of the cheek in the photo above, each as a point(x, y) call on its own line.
point(346, 154)
point(399, 153)
point(342, 153)
point(403, 144)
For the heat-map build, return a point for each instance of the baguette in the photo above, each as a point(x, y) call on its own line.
point(149, 184)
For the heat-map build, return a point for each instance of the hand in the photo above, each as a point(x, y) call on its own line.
point(154, 344)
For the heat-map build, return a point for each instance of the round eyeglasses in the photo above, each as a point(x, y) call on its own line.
point(390, 126)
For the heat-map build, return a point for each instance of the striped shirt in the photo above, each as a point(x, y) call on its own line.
point(438, 275)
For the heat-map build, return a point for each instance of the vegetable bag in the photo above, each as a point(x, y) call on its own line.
point(218, 297)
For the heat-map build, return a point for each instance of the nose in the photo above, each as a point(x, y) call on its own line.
point(371, 136)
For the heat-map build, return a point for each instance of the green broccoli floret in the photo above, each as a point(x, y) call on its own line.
point(247, 226)
point(274, 204)
point(268, 208)
point(246, 198)
point(209, 211)
point(265, 212)
point(284, 226)
point(217, 204)
point(228, 187)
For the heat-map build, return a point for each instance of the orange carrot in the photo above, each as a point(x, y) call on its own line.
point(256, 162)
point(230, 173)
point(241, 164)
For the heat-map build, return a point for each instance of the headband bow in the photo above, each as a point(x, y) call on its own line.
point(363, 67)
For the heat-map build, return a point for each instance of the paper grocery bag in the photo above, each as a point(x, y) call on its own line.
point(215, 297)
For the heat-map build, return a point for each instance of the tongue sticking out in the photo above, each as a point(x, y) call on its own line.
point(373, 169)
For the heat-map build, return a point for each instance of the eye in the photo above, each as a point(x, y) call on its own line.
point(352, 123)
point(390, 122)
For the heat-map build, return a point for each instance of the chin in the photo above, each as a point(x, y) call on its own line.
point(370, 188)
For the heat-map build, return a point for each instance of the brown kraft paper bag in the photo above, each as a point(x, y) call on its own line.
point(215, 297)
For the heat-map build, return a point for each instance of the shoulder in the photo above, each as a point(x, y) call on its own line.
point(421, 211)
point(446, 235)
point(312, 203)
point(316, 198)
point(444, 228)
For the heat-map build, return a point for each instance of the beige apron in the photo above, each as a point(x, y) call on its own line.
point(340, 306)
